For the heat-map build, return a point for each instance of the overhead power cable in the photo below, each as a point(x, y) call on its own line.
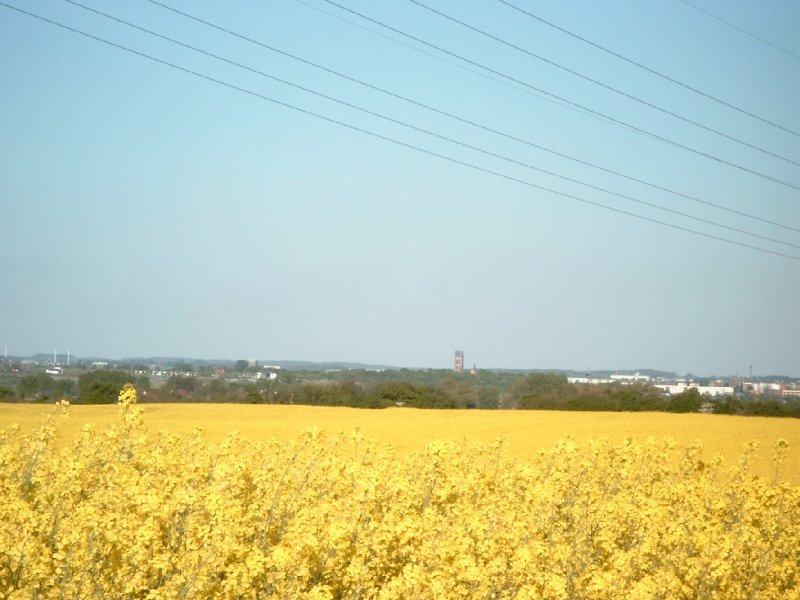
point(394, 40)
point(426, 131)
point(468, 121)
point(394, 140)
point(740, 29)
point(648, 69)
point(562, 99)
point(601, 84)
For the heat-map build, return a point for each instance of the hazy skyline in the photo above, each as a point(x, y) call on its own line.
point(150, 211)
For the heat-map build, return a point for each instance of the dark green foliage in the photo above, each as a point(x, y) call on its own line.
point(214, 390)
point(416, 396)
point(431, 388)
point(488, 398)
point(771, 408)
point(541, 391)
point(550, 391)
point(351, 393)
point(98, 392)
point(179, 385)
point(102, 386)
point(727, 405)
point(688, 401)
point(252, 395)
point(64, 388)
point(634, 398)
point(39, 386)
point(762, 407)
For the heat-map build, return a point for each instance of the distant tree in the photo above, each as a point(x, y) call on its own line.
point(488, 398)
point(770, 407)
point(395, 393)
point(64, 388)
point(727, 405)
point(462, 390)
point(182, 367)
point(142, 383)
point(179, 385)
point(241, 366)
point(687, 401)
point(214, 390)
point(101, 386)
point(346, 393)
point(637, 398)
point(252, 395)
point(541, 390)
point(99, 392)
point(37, 386)
point(6, 393)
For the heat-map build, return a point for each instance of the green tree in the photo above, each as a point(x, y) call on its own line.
point(99, 392)
point(36, 386)
point(688, 401)
point(179, 385)
point(215, 390)
point(637, 397)
point(489, 398)
point(769, 407)
point(252, 395)
point(541, 390)
point(462, 390)
point(727, 405)
point(101, 386)
point(64, 388)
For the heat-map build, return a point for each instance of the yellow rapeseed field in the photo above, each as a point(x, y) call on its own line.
point(407, 429)
point(137, 502)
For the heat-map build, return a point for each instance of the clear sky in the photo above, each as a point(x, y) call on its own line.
point(149, 211)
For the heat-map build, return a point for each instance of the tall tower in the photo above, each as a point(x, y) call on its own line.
point(458, 362)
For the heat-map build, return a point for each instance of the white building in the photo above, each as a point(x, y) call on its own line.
point(705, 390)
point(761, 387)
point(630, 378)
point(589, 380)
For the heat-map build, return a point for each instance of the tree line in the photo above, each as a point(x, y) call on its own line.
point(418, 389)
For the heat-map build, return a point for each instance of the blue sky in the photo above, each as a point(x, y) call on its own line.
point(149, 211)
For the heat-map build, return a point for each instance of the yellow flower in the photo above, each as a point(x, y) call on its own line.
point(127, 395)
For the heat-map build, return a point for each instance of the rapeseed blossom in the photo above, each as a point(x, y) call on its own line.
point(126, 513)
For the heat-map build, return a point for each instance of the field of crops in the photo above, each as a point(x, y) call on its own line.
point(341, 503)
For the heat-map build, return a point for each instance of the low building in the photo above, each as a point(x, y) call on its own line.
point(590, 380)
point(705, 390)
point(635, 378)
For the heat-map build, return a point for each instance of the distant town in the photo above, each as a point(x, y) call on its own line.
point(94, 380)
point(672, 383)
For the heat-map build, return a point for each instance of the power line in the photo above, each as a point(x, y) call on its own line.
point(740, 29)
point(648, 69)
point(617, 121)
point(373, 32)
point(426, 131)
point(432, 55)
point(462, 119)
point(393, 140)
point(601, 84)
